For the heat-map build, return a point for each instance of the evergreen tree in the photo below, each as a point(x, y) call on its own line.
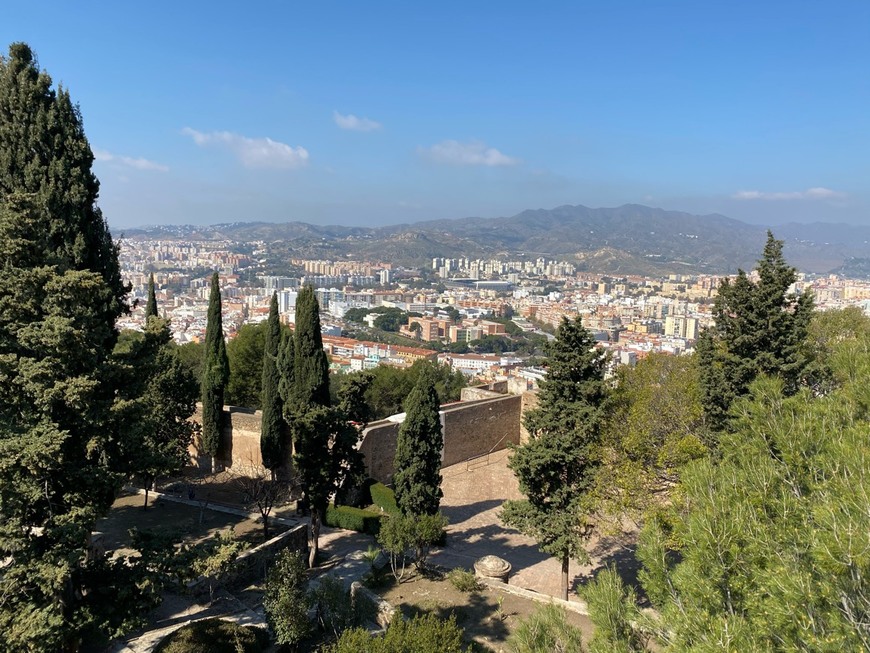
point(311, 367)
point(417, 465)
point(285, 363)
point(556, 468)
point(312, 421)
point(759, 328)
point(64, 443)
point(215, 374)
point(151, 306)
point(272, 432)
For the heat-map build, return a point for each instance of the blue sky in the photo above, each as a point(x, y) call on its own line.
point(382, 112)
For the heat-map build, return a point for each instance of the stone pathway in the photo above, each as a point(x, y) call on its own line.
point(473, 495)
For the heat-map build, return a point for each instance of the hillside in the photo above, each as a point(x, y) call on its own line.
point(630, 239)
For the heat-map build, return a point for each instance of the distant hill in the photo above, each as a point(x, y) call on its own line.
point(630, 239)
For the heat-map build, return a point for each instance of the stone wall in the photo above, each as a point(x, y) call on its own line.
point(486, 423)
point(471, 429)
point(240, 440)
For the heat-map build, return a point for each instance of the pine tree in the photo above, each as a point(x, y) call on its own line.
point(272, 432)
point(556, 468)
point(417, 464)
point(151, 306)
point(63, 439)
point(759, 328)
point(215, 373)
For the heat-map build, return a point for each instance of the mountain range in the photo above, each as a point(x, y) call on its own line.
point(630, 239)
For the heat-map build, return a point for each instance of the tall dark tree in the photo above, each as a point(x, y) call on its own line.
point(62, 442)
point(759, 328)
point(311, 366)
point(215, 373)
point(272, 431)
point(417, 464)
point(311, 419)
point(556, 468)
point(285, 363)
point(151, 305)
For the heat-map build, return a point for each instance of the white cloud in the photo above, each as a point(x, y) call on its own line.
point(817, 193)
point(253, 152)
point(353, 123)
point(474, 153)
point(129, 161)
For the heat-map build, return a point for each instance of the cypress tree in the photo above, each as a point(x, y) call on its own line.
point(311, 367)
point(286, 361)
point(215, 373)
point(151, 306)
point(417, 463)
point(272, 428)
point(556, 468)
point(312, 420)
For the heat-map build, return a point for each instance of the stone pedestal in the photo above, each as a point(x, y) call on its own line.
point(492, 567)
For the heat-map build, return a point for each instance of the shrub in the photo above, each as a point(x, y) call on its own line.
point(613, 608)
point(214, 636)
point(422, 634)
point(353, 519)
point(333, 605)
point(464, 580)
point(285, 602)
point(546, 631)
point(384, 498)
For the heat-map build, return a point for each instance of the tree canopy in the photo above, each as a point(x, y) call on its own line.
point(759, 328)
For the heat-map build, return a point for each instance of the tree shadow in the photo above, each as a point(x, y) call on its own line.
point(462, 513)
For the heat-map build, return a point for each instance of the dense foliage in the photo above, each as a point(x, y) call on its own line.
point(759, 328)
point(285, 602)
point(422, 634)
point(66, 439)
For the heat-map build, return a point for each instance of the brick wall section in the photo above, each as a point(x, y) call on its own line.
point(470, 429)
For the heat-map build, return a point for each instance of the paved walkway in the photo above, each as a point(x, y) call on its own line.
point(473, 495)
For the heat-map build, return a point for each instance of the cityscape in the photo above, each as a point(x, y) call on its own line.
point(458, 328)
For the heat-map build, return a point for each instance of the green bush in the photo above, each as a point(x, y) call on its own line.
point(214, 636)
point(384, 498)
point(422, 634)
point(545, 631)
point(353, 519)
point(464, 580)
point(285, 602)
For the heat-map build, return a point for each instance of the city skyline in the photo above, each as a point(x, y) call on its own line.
point(388, 114)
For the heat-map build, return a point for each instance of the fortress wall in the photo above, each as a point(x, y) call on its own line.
point(471, 429)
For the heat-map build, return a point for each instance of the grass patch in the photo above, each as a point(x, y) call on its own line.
point(214, 636)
